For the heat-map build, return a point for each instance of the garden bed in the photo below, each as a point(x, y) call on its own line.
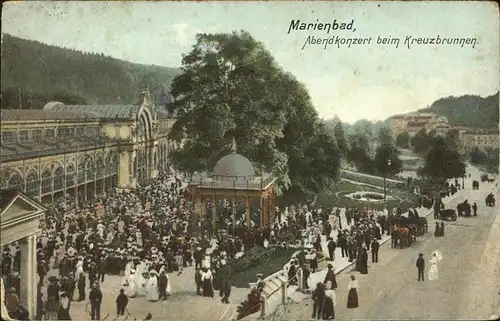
point(259, 260)
point(335, 196)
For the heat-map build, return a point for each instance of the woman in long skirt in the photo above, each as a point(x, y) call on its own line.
point(352, 296)
point(64, 305)
point(329, 302)
point(208, 289)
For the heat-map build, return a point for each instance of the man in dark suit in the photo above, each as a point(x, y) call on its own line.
point(331, 249)
point(375, 247)
point(420, 267)
point(225, 290)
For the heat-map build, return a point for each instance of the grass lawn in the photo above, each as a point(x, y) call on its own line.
point(335, 196)
point(267, 267)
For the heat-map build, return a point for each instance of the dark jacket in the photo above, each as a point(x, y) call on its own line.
point(95, 296)
point(420, 263)
point(121, 300)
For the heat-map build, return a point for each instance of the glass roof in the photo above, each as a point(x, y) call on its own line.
point(101, 111)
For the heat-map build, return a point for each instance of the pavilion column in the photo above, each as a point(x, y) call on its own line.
point(247, 210)
point(262, 213)
point(214, 213)
point(28, 275)
point(233, 216)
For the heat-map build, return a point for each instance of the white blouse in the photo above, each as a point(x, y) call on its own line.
point(353, 284)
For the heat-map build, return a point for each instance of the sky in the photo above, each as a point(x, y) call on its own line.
point(366, 81)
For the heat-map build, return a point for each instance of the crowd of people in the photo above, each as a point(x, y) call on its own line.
point(149, 236)
point(144, 235)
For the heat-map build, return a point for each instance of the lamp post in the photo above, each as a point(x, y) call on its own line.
point(385, 184)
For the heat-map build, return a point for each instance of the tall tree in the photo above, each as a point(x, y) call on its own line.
point(358, 155)
point(403, 140)
point(340, 137)
point(231, 88)
point(420, 142)
point(453, 138)
point(387, 161)
point(442, 161)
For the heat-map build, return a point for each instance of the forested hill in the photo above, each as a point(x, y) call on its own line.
point(467, 110)
point(42, 73)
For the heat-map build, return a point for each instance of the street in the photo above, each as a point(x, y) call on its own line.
point(469, 274)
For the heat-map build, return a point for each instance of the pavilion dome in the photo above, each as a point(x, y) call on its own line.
point(234, 165)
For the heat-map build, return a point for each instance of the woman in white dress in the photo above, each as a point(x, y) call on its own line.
point(132, 284)
point(433, 270)
point(152, 287)
point(205, 263)
point(126, 275)
point(79, 268)
point(141, 280)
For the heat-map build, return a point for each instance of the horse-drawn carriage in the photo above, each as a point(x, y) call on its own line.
point(486, 178)
point(447, 214)
point(490, 200)
point(464, 208)
point(406, 229)
point(475, 185)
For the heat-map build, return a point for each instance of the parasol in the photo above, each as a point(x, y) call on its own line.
point(438, 255)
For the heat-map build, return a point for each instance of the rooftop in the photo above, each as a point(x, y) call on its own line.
point(45, 148)
point(39, 114)
point(97, 111)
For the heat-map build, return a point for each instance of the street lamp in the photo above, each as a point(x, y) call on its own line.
point(385, 184)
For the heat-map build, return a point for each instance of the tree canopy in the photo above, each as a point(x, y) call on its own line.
point(340, 137)
point(231, 87)
point(443, 161)
point(358, 154)
point(403, 140)
point(387, 161)
point(420, 142)
point(487, 159)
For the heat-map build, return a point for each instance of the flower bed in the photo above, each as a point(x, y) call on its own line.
point(373, 196)
point(259, 260)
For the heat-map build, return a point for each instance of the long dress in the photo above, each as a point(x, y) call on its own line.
point(329, 305)
point(205, 263)
point(208, 289)
point(152, 288)
point(433, 270)
point(169, 287)
point(126, 275)
point(63, 311)
point(132, 286)
point(352, 296)
point(79, 269)
point(362, 262)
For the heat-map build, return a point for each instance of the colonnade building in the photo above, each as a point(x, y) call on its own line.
point(82, 150)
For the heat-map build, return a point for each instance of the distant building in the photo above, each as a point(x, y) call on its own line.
point(82, 150)
point(482, 139)
point(414, 122)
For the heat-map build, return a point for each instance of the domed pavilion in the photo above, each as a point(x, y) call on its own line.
point(240, 196)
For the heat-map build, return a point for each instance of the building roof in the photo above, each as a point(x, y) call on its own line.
point(45, 148)
point(6, 197)
point(98, 111)
point(39, 114)
point(234, 165)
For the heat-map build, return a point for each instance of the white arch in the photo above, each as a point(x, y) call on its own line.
point(49, 164)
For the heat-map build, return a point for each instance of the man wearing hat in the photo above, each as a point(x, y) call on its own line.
point(95, 300)
point(420, 267)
